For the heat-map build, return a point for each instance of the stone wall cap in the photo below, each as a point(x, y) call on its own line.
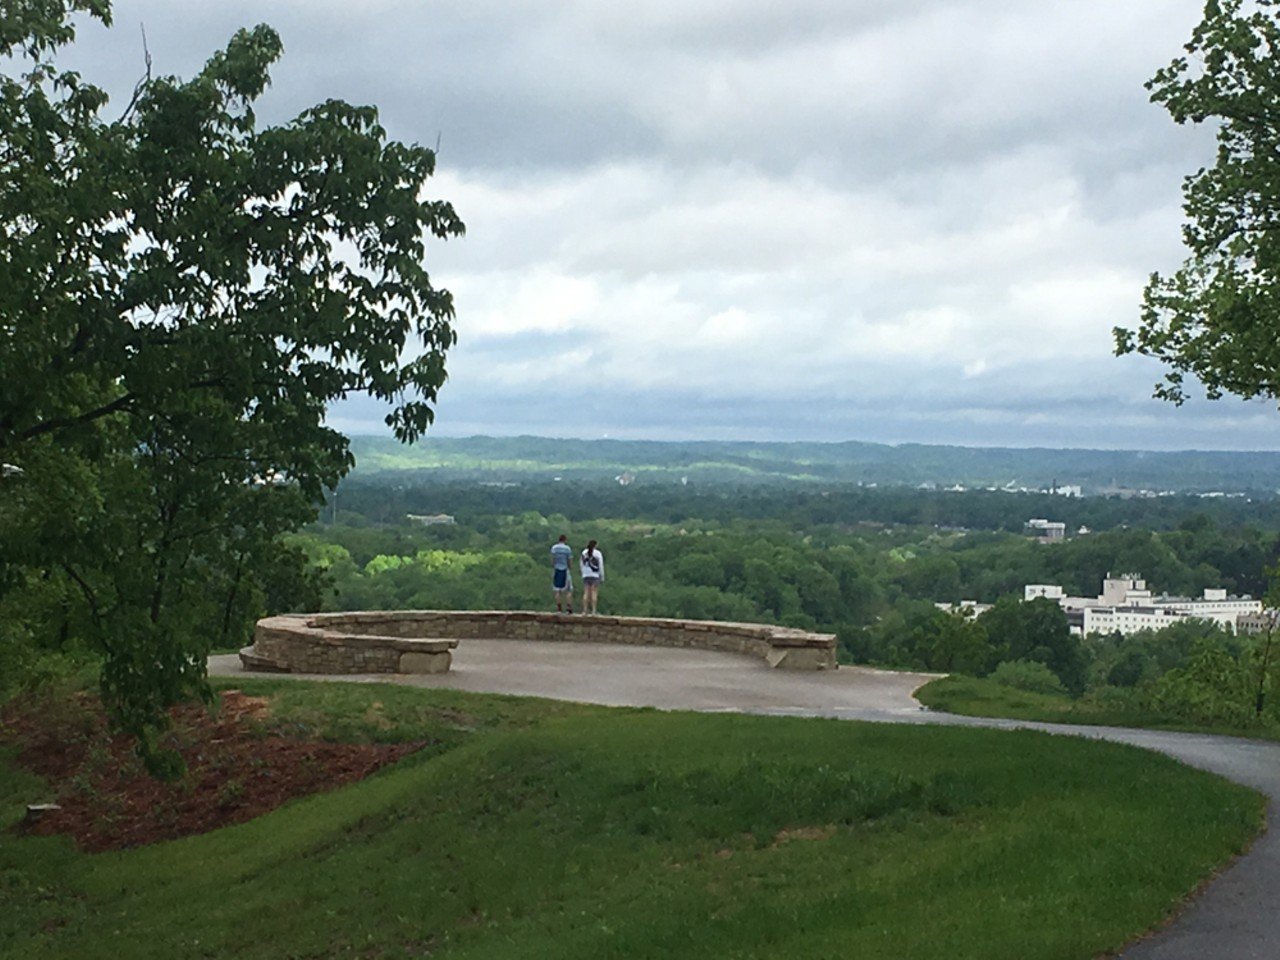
point(804, 640)
point(327, 629)
point(423, 644)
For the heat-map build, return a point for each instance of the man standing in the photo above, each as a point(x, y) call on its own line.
point(561, 581)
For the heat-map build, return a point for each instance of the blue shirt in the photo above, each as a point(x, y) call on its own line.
point(561, 554)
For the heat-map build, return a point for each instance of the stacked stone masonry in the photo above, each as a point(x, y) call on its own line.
point(421, 641)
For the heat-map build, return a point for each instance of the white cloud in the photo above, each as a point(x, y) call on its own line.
point(921, 216)
point(539, 300)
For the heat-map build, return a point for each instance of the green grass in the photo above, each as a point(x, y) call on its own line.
point(975, 697)
point(536, 829)
point(387, 713)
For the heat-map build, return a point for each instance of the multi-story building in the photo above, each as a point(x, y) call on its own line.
point(1260, 622)
point(1126, 620)
point(1126, 605)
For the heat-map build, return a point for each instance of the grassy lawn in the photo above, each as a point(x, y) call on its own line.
point(538, 829)
point(974, 697)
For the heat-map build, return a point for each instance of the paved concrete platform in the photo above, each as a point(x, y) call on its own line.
point(663, 677)
point(1234, 919)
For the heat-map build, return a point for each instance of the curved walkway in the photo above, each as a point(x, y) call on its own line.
point(1236, 918)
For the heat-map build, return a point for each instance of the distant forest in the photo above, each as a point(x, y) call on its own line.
point(867, 564)
point(387, 498)
point(1096, 472)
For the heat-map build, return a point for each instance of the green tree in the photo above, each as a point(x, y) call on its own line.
point(959, 644)
point(700, 569)
point(1215, 318)
point(933, 577)
point(1037, 630)
point(182, 295)
point(1214, 687)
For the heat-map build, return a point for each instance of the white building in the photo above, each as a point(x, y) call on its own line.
point(1126, 605)
point(431, 519)
point(1216, 605)
point(1127, 620)
point(1043, 529)
point(1263, 621)
point(1128, 590)
point(1033, 591)
point(965, 608)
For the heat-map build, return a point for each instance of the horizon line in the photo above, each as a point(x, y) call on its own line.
point(825, 443)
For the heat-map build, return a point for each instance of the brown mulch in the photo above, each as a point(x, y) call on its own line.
point(237, 769)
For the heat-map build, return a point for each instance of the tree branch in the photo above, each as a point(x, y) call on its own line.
point(60, 423)
point(92, 600)
point(142, 84)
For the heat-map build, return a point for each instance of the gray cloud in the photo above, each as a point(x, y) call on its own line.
point(876, 219)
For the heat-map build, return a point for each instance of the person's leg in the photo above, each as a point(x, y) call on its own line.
point(562, 587)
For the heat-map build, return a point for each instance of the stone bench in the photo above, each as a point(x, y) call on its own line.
point(420, 641)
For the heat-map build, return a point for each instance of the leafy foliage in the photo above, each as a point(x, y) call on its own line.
point(1215, 317)
point(182, 293)
point(1037, 631)
point(1029, 675)
point(822, 562)
point(1214, 687)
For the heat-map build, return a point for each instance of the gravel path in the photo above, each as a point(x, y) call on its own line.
point(1236, 918)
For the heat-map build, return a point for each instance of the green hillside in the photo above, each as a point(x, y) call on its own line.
point(1097, 471)
point(549, 830)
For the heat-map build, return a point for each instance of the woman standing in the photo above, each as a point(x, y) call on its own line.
point(592, 565)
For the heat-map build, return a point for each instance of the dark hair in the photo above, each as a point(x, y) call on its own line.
point(591, 547)
point(562, 538)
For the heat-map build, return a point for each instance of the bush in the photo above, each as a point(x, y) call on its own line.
point(1028, 675)
point(1213, 688)
point(25, 665)
point(1129, 669)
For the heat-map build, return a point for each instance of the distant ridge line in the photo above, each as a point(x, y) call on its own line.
point(1096, 471)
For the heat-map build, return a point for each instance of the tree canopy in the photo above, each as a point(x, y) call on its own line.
point(1216, 318)
point(183, 292)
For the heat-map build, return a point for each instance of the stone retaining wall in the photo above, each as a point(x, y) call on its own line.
point(419, 641)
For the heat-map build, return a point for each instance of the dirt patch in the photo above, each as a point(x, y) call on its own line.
point(237, 769)
point(791, 834)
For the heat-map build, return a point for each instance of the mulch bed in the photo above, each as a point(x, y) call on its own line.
point(237, 769)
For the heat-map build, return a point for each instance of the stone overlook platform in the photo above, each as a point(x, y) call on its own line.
point(421, 641)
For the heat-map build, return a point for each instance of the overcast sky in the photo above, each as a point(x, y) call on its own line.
point(892, 220)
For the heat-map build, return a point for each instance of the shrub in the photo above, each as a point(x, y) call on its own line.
point(1129, 669)
point(1028, 675)
point(1213, 688)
